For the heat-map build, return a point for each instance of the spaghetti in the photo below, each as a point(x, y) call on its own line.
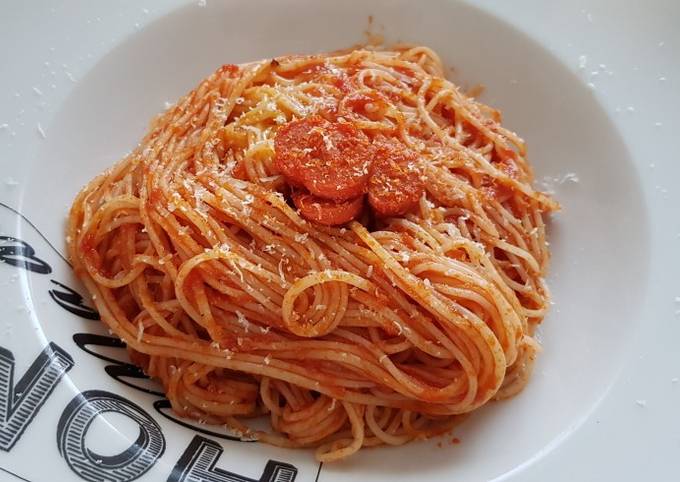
point(344, 243)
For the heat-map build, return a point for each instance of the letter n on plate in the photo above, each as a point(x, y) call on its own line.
point(20, 404)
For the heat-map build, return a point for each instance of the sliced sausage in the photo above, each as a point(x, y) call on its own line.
point(324, 211)
point(293, 145)
point(330, 159)
point(395, 185)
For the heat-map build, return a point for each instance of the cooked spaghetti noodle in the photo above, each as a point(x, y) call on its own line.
point(372, 315)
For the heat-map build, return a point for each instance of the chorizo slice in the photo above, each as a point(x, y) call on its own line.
point(327, 212)
point(395, 184)
point(330, 159)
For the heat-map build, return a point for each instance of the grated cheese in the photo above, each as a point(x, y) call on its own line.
point(242, 320)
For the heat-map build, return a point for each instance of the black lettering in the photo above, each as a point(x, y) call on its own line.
point(72, 301)
point(20, 404)
point(164, 408)
point(125, 371)
point(18, 253)
point(126, 466)
point(122, 371)
point(85, 340)
point(197, 464)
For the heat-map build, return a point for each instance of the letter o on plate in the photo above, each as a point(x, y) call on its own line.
point(125, 466)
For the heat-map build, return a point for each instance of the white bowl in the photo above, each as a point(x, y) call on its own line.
point(611, 244)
